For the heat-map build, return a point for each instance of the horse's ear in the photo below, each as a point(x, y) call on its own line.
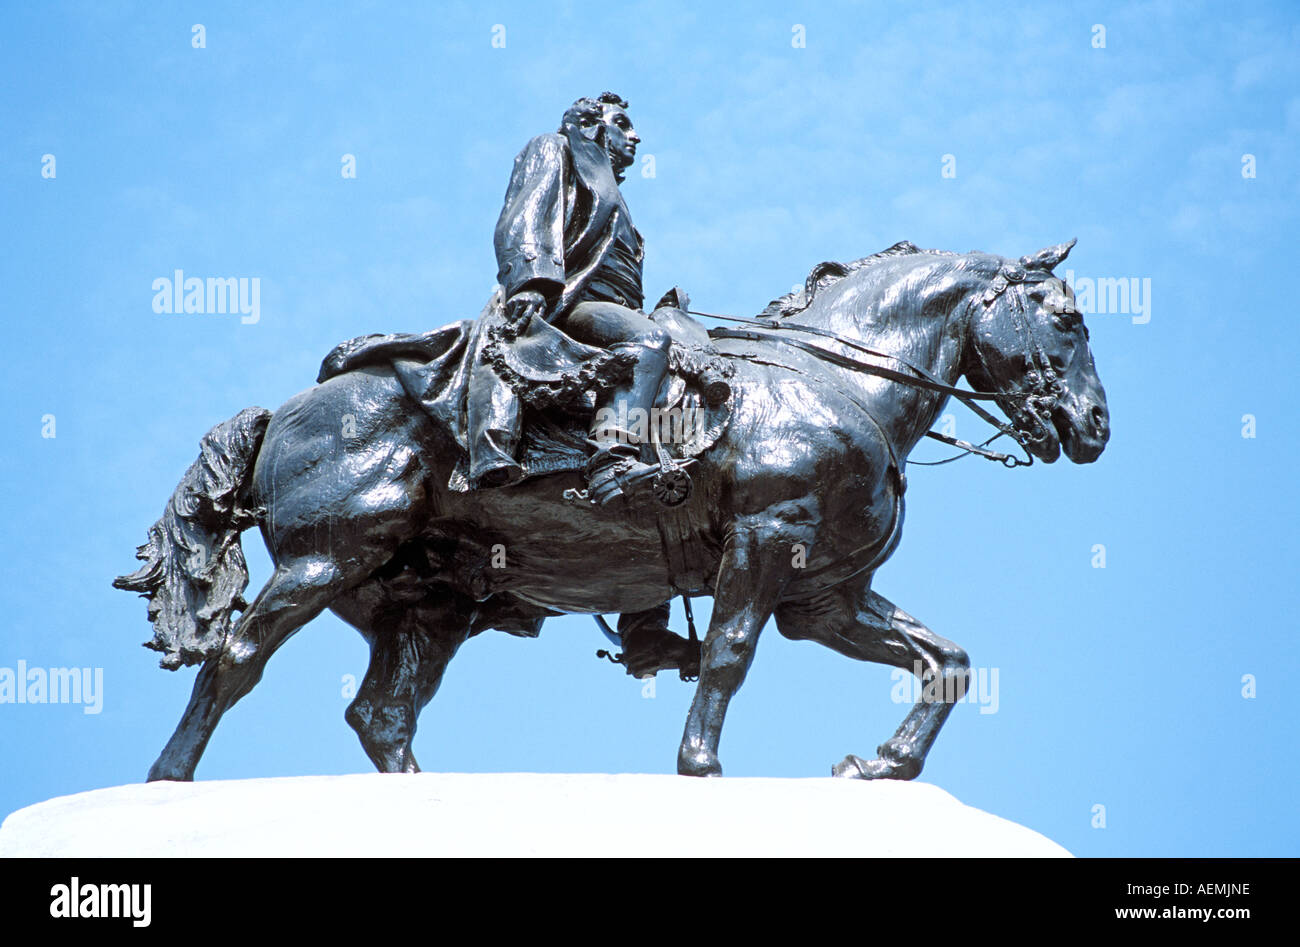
point(1048, 257)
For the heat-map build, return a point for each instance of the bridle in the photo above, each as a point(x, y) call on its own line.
point(1038, 401)
point(1044, 389)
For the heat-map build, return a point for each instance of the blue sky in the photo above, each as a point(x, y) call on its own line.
point(1119, 687)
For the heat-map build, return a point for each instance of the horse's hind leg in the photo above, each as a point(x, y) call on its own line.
point(867, 627)
point(297, 592)
point(409, 650)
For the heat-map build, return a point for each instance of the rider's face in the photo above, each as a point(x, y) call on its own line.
point(620, 137)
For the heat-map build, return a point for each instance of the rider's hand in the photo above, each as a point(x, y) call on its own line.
point(521, 307)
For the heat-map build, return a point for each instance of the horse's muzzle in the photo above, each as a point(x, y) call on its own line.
point(1083, 424)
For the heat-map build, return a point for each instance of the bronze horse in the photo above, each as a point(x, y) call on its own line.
point(793, 509)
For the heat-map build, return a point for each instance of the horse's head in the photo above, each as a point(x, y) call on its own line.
point(1029, 345)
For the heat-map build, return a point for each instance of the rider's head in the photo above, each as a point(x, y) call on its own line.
point(604, 120)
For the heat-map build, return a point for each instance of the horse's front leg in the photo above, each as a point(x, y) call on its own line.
point(945, 676)
point(756, 566)
point(866, 626)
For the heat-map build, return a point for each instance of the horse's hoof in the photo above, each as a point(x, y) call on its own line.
point(855, 767)
point(851, 767)
point(698, 764)
point(396, 763)
point(159, 774)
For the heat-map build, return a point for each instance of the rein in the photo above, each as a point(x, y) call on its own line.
point(919, 379)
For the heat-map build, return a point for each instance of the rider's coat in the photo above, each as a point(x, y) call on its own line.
point(564, 229)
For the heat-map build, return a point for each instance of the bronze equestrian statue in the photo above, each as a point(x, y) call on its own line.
point(370, 496)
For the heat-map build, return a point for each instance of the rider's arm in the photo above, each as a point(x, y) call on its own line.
point(529, 236)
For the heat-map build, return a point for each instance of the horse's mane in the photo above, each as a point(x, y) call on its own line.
point(825, 274)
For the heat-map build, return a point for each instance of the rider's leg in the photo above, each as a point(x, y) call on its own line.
point(629, 405)
point(604, 324)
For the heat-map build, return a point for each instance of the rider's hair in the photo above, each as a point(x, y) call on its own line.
point(588, 111)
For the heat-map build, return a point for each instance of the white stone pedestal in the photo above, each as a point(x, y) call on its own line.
point(516, 814)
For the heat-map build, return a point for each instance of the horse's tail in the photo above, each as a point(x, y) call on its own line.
point(194, 573)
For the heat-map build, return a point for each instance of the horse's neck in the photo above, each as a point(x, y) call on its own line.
point(930, 342)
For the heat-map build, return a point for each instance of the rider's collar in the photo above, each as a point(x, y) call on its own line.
point(590, 158)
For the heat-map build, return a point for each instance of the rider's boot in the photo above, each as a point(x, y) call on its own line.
point(623, 422)
point(649, 647)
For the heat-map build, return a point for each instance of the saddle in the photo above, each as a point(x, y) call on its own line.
point(556, 381)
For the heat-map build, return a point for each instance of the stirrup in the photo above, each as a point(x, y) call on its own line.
point(615, 474)
point(616, 477)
